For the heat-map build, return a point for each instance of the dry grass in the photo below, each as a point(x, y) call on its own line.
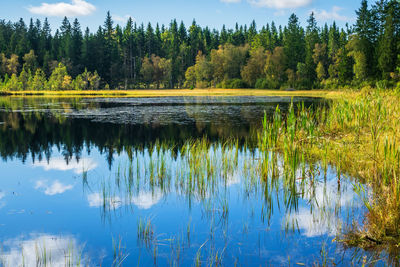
point(177, 92)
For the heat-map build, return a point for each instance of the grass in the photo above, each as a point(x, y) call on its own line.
point(360, 135)
point(175, 92)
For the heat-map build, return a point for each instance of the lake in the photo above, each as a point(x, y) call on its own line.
point(161, 181)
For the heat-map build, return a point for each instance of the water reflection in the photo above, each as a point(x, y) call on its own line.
point(40, 249)
point(32, 126)
point(169, 179)
point(146, 200)
point(52, 188)
point(2, 202)
point(78, 166)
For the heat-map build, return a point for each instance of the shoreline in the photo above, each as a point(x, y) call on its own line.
point(175, 92)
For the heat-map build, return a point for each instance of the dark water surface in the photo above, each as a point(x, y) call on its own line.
point(104, 181)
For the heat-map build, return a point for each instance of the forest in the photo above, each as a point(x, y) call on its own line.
point(33, 57)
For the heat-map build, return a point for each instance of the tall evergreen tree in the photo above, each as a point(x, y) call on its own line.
point(311, 38)
point(293, 41)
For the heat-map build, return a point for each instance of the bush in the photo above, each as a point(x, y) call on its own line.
point(201, 84)
point(397, 89)
point(236, 84)
point(382, 85)
point(330, 83)
point(267, 84)
point(261, 84)
point(232, 84)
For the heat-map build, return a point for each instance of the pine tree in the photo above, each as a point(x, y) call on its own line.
point(293, 40)
point(365, 28)
point(387, 49)
point(311, 39)
point(76, 48)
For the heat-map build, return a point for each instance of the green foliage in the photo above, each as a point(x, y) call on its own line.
point(267, 84)
point(321, 73)
point(275, 66)
point(232, 84)
point(156, 70)
point(59, 79)
point(294, 44)
point(175, 56)
point(14, 84)
point(254, 69)
point(39, 81)
point(30, 61)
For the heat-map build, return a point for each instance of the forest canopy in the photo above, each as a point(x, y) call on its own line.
point(177, 56)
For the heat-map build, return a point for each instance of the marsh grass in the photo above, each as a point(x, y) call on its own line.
point(359, 135)
point(145, 232)
point(204, 171)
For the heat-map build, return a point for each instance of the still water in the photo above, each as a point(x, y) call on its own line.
point(160, 181)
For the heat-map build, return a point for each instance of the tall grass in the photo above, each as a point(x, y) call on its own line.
point(359, 134)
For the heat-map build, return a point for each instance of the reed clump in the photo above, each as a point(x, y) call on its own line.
point(358, 133)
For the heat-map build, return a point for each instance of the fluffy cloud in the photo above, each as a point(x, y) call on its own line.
point(280, 4)
point(122, 19)
point(330, 15)
point(97, 200)
point(59, 164)
point(323, 220)
point(144, 200)
point(61, 9)
point(54, 188)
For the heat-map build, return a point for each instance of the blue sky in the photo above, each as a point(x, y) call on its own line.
point(213, 13)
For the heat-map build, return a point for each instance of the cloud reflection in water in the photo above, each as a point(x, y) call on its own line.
point(59, 164)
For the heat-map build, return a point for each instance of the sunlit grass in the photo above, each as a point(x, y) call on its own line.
point(176, 92)
point(360, 135)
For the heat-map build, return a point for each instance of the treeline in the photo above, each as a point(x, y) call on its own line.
point(135, 56)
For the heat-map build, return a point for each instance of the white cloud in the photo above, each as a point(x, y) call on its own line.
point(316, 223)
point(330, 15)
point(52, 189)
point(122, 19)
point(280, 13)
point(233, 178)
point(146, 200)
point(2, 203)
point(97, 200)
point(280, 4)
point(85, 164)
point(56, 248)
point(61, 9)
point(323, 220)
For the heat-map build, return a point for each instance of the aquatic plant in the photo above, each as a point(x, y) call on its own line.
point(360, 136)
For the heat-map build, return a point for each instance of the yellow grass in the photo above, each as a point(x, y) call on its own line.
point(178, 92)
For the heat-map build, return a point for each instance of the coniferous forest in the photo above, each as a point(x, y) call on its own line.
point(34, 57)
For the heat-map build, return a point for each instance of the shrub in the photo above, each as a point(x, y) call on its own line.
point(236, 83)
point(261, 84)
point(201, 84)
